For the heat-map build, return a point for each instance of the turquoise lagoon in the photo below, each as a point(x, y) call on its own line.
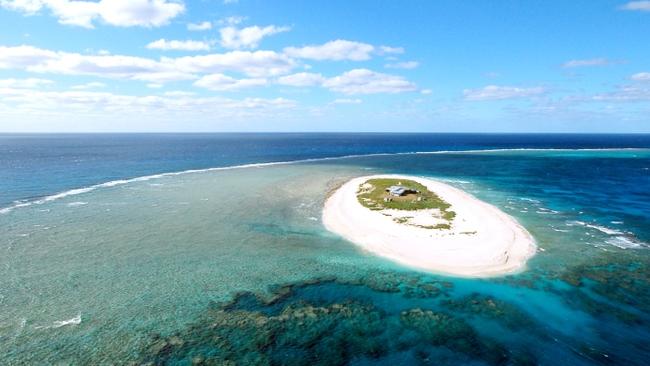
point(233, 266)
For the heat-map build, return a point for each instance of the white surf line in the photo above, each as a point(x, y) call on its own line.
point(76, 191)
point(61, 323)
point(533, 150)
point(621, 239)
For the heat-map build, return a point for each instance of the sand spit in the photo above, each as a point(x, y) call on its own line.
point(483, 241)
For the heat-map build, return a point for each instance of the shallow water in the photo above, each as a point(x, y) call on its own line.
point(234, 265)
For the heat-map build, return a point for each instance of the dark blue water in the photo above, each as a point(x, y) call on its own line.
point(607, 187)
point(35, 165)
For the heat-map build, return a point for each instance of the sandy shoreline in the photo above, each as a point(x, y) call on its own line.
point(483, 240)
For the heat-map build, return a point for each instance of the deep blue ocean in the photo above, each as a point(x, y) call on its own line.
point(34, 165)
point(178, 249)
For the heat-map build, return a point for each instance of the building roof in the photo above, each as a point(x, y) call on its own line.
point(397, 190)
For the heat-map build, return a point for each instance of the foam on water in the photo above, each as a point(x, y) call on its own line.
point(529, 200)
point(459, 181)
point(604, 229)
point(620, 239)
point(72, 321)
point(113, 183)
point(560, 230)
point(61, 323)
point(625, 242)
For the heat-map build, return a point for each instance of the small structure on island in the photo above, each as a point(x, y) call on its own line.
point(400, 191)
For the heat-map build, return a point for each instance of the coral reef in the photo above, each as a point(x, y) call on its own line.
point(491, 308)
point(288, 328)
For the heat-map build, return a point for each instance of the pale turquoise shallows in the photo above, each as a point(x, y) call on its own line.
point(147, 256)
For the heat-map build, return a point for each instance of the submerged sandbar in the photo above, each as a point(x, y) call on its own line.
point(428, 225)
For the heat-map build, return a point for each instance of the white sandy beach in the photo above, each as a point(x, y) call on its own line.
point(483, 241)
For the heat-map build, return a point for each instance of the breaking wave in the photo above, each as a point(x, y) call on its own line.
point(620, 239)
point(62, 323)
point(118, 182)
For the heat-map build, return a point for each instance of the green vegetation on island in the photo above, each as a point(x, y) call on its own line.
point(403, 194)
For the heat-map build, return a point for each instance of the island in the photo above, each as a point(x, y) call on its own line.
point(428, 225)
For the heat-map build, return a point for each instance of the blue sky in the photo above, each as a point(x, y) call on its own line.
point(430, 66)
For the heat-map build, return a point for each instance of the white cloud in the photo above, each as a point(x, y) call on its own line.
point(337, 50)
point(383, 50)
point(221, 82)
point(91, 85)
point(357, 81)
point(29, 83)
point(202, 26)
point(364, 81)
point(425, 91)
point(174, 45)
point(249, 37)
point(232, 20)
point(178, 93)
point(641, 76)
point(346, 101)
point(403, 65)
point(625, 93)
point(254, 64)
point(494, 92)
point(19, 57)
point(121, 13)
point(39, 60)
point(637, 6)
point(302, 79)
point(144, 13)
point(26, 6)
point(209, 68)
point(113, 66)
point(30, 101)
point(586, 63)
point(78, 13)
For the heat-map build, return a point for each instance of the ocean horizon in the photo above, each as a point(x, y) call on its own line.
point(259, 148)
